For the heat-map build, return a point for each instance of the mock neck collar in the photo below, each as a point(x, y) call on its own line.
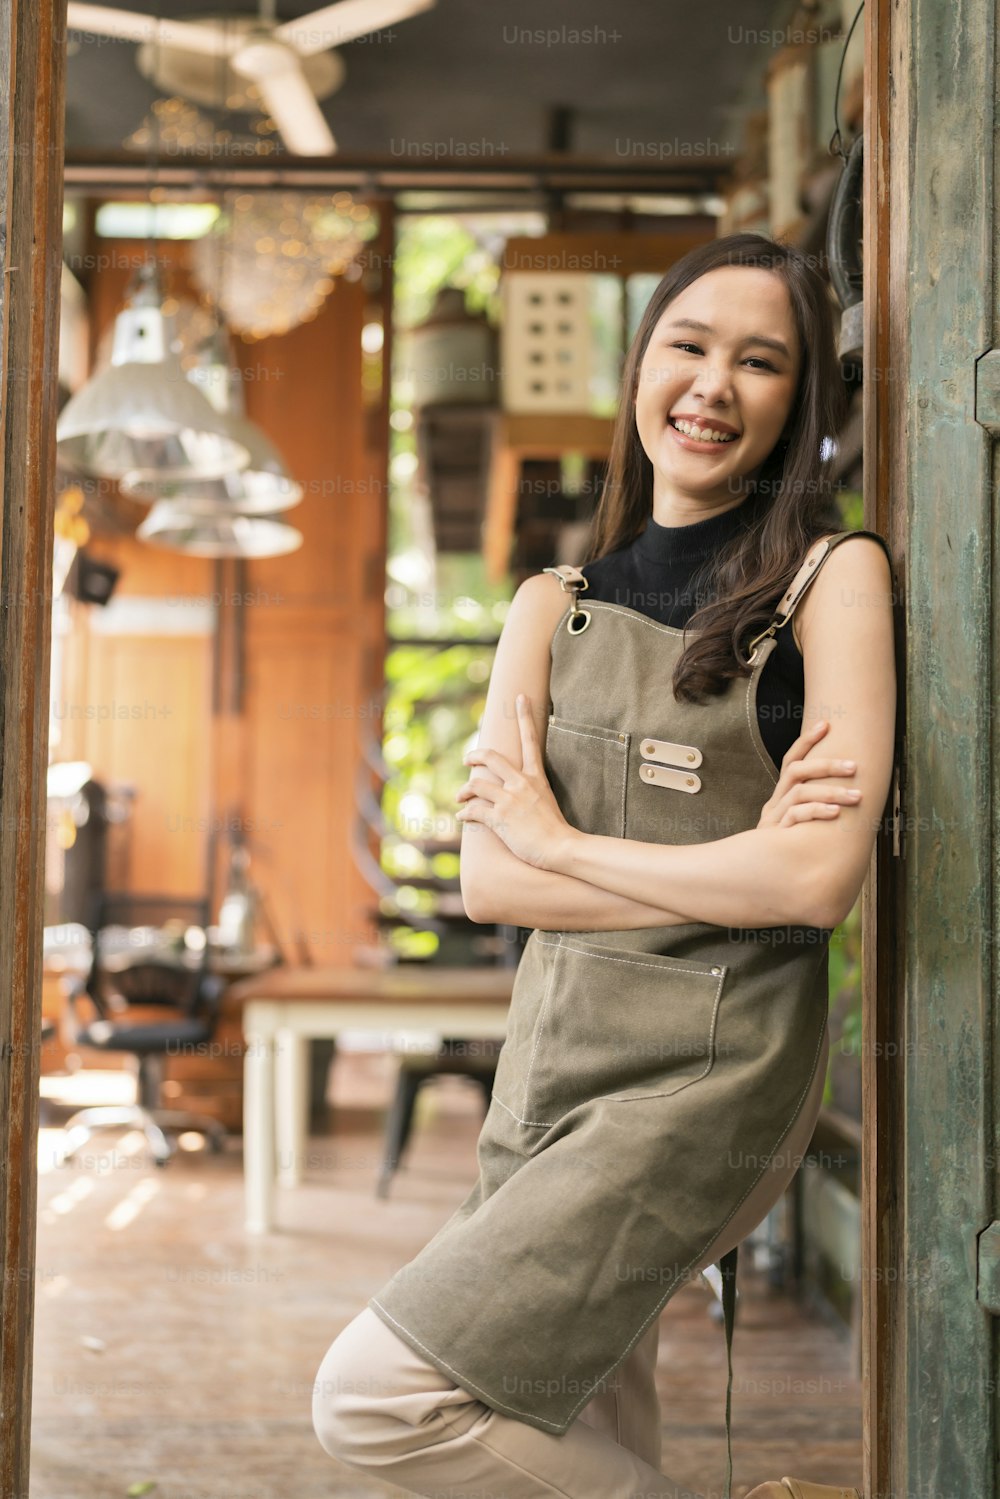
point(664, 544)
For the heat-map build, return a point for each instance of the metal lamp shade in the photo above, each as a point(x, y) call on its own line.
point(262, 488)
point(143, 415)
point(202, 533)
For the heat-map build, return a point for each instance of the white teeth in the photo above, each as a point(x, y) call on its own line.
point(703, 434)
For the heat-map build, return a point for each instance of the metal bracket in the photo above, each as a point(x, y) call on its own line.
point(898, 830)
point(988, 1269)
point(988, 391)
point(897, 815)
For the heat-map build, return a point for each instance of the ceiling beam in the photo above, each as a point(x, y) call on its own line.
point(555, 171)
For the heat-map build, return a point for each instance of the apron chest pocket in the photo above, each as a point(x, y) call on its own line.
point(586, 765)
point(620, 1024)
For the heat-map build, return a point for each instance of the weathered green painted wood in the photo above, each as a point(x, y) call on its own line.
point(943, 150)
point(988, 391)
point(989, 1269)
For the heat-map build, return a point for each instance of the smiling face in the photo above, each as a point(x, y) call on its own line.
point(712, 400)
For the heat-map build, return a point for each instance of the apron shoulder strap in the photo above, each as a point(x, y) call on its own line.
point(568, 575)
point(814, 559)
point(571, 581)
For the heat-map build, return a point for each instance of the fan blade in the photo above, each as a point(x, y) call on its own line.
point(129, 26)
point(344, 22)
point(290, 101)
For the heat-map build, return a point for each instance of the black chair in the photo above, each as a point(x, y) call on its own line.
point(150, 965)
point(475, 1060)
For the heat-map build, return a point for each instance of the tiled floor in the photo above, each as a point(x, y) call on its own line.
point(172, 1349)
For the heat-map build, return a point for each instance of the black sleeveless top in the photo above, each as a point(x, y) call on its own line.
point(653, 575)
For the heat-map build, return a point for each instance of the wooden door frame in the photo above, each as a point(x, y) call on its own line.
point(32, 88)
point(930, 213)
point(927, 997)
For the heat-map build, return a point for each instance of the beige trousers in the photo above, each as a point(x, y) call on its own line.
point(378, 1406)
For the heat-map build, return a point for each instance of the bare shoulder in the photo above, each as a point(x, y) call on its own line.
point(539, 603)
point(855, 571)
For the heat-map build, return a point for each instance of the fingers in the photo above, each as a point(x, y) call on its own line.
point(477, 809)
point(486, 791)
point(492, 759)
point(801, 746)
point(804, 770)
point(807, 812)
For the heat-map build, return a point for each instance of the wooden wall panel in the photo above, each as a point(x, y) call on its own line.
point(302, 755)
point(149, 723)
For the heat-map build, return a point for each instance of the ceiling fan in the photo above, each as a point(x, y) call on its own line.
point(292, 64)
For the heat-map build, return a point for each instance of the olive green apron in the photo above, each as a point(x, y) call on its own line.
point(647, 1076)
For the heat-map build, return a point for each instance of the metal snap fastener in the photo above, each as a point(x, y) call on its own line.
point(716, 971)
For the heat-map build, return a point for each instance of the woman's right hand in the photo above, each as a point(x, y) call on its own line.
point(797, 798)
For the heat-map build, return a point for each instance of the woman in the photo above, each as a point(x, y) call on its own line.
point(682, 860)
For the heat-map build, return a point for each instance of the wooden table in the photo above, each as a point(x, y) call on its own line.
point(288, 1007)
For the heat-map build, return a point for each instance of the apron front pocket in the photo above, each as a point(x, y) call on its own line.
point(586, 765)
point(620, 1024)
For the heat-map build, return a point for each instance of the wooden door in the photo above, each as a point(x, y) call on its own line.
point(932, 324)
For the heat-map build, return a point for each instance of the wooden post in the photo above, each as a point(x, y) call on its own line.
point(930, 311)
point(32, 61)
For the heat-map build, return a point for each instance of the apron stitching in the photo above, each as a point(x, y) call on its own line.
point(626, 743)
point(619, 743)
point(658, 1309)
point(628, 614)
point(768, 766)
point(665, 965)
point(562, 729)
point(535, 1123)
point(541, 1026)
point(632, 963)
point(490, 1401)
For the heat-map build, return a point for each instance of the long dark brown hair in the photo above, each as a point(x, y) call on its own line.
point(786, 508)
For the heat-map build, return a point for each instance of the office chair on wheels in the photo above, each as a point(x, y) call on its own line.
point(137, 968)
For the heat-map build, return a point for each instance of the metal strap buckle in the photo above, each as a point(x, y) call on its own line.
point(772, 627)
point(578, 619)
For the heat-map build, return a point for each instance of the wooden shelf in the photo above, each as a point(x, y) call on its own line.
point(518, 436)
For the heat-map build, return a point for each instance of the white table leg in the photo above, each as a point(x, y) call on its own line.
point(258, 1118)
point(291, 1095)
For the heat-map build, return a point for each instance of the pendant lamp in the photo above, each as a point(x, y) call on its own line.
point(232, 516)
point(263, 487)
point(172, 525)
point(141, 415)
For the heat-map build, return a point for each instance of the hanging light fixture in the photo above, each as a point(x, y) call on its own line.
point(141, 414)
point(233, 516)
point(172, 525)
point(263, 487)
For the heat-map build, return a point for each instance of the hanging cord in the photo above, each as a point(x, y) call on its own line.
point(836, 143)
point(153, 158)
point(222, 71)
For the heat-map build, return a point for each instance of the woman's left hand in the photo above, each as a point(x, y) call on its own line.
point(519, 806)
